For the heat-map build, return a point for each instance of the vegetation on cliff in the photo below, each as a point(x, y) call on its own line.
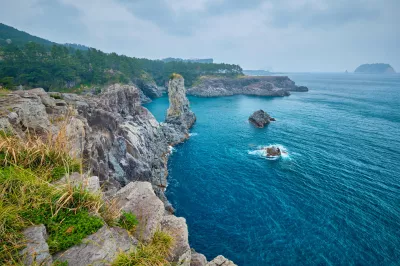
point(34, 62)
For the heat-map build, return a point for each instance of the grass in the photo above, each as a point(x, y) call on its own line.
point(128, 221)
point(152, 254)
point(27, 196)
point(175, 76)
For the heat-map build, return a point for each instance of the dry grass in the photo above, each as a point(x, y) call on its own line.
point(152, 254)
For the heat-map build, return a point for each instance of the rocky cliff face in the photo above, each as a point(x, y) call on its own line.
point(122, 143)
point(120, 140)
point(260, 86)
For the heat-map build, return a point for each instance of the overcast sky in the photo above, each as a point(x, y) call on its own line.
point(278, 35)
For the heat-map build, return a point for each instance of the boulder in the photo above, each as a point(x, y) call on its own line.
point(177, 228)
point(221, 261)
point(100, 248)
point(273, 151)
point(198, 259)
point(36, 251)
point(140, 199)
point(260, 118)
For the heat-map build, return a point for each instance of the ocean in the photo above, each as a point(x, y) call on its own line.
point(334, 200)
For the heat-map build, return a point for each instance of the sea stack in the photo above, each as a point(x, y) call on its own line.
point(260, 118)
point(179, 112)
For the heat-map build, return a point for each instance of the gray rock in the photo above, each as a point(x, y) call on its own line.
point(177, 228)
point(36, 251)
point(198, 259)
point(221, 261)
point(90, 183)
point(260, 86)
point(260, 118)
point(140, 199)
point(179, 112)
point(100, 248)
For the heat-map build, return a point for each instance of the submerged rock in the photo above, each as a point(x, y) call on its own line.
point(260, 118)
point(36, 251)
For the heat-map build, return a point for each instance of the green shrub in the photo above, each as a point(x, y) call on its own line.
point(128, 221)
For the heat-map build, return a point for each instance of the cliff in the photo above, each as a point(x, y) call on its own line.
point(260, 86)
point(125, 153)
point(378, 68)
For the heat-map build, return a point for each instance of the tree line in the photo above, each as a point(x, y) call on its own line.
point(59, 67)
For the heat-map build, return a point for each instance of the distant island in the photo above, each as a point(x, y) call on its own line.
point(256, 72)
point(378, 68)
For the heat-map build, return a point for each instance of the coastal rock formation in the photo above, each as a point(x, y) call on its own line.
point(247, 85)
point(198, 259)
point(126, 151)
point(378, 68)
point(120, 140)
point(100, 248)
point(36, 251)
point(177, 228)
point(179, 112)
point(260, 118)
point(220, 261)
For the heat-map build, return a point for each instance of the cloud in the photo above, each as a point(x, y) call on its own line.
point(288, 35)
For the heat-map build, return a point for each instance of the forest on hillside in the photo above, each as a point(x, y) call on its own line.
point(59, 67)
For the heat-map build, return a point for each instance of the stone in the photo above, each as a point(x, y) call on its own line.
point(36, 251)
point(198, 259)
point(177, 228)
point(140, 199)
point(90, 183)
point(273, 151)
point(221, 261)
point(260, 118)
point(100, 248)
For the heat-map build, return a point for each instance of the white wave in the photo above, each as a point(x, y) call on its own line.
point(171, 149)
point(193, 134)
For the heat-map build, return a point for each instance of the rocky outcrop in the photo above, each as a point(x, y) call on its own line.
point(36, 251)
point(139, 199)
point(198, 259)
point(260, 118)
point(179, 112)
point(120, 140)
point(100, 248)
point(220, 261)
point(260, 86)
point(177, 228)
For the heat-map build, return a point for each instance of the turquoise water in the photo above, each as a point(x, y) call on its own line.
point(335, 200)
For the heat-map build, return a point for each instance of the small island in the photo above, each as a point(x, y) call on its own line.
point(378, 68)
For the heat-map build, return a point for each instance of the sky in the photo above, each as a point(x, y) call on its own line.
point(276, 35)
